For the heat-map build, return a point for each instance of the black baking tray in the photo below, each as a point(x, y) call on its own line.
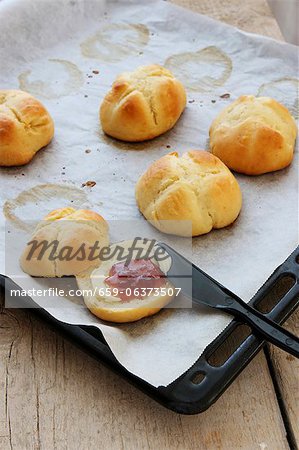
point(200, 386)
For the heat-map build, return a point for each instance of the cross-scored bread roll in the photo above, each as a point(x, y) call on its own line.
point(62, 243)
point(118, 308)
point(254, 135)
point(195, 190)
point(25, 127)
point(142, 104)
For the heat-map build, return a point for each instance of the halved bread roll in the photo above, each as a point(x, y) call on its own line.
point(60, 244)
point(113, 308)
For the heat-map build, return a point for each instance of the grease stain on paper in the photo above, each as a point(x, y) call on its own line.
point(115, 41)
point(203, 70)
point(284, 90)
point(37, 202)
point(60, 78)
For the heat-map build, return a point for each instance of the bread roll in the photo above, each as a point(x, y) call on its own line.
point(58, 242)
point(254, 135)
point(25, 127)
point(142, 104)
point(114, 309)
point(196, 187)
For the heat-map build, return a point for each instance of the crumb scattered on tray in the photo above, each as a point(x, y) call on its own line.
point(191, 101)
point(96, 72)
point(227, 95)
point(89, 184)
point(213, 101)
point(87, 150)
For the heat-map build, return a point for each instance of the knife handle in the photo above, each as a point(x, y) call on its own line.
point(270, 330)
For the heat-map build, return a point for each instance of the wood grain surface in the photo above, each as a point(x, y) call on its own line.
point(286, 375)
point(253, 16)
point(53, 396)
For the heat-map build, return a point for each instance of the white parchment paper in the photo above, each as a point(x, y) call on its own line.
point(68, 54)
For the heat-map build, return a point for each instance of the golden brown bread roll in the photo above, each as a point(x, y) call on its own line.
point(59, 238)
point(25, 127)
point(196, 187)
point(254, 135)
point(142, 104)
point(114, 308)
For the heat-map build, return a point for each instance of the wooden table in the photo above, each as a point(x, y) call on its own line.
point(53, 396)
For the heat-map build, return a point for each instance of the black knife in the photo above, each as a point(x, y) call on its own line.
point(204, 290)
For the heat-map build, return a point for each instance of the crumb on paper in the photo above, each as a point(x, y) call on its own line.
point(227, 95)
point(96, 72)
point(89, 184)
point(88, 150)
point(263, 445)
point(213, 101)
point(168, 146)
point(191, 101)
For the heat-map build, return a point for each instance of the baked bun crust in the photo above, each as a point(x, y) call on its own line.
point(196, 187)
point(142, 104)
point(70, 228)
point(25, 127)
point(254, 135)
point(112, 309)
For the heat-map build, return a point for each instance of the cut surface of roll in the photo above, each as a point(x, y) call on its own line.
point(254, 135)
point(142, 104)
point(61, 243)
point(25, 127)
point(195, 188)
point(109, 305)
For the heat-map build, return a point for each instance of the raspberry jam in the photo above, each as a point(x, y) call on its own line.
point(138, 274)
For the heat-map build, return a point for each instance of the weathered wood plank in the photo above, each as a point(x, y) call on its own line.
point(57, 397)
point(286, 369)
point(253, 16)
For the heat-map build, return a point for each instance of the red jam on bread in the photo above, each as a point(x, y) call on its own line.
point(139, 274)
